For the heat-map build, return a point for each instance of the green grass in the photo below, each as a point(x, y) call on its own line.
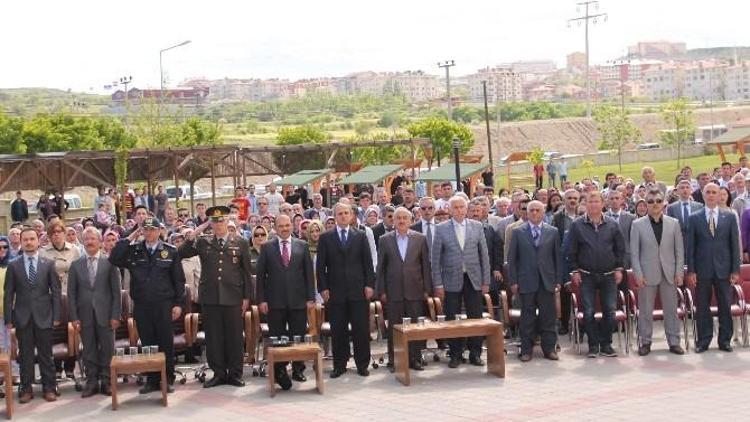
point(665, 170)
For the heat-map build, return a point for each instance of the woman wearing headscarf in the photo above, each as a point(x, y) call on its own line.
point(314, 230)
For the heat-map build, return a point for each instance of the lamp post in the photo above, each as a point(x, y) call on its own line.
point(456, 148)
point(161, 68)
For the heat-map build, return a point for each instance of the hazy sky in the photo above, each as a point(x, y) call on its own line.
point(88, 44)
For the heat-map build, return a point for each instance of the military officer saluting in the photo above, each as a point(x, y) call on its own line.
point(157, 287)
point(224, 294)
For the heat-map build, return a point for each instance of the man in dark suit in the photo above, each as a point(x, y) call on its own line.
point(478, 211)
point(403, 278)
point(623, 219)
point(345, 281)
point(535, 270)
point(32, 305)
point(224, 294)
point(683, 208)
point(703, 180)
point(562, 221)
point(285, 288)
point(19, 209)
point(95, 308)
point(384, 226)
point(713, 262)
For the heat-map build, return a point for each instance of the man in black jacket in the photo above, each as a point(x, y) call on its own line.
point(19, 209)
point(345, 280)
point(384, 226)
point(285, 289)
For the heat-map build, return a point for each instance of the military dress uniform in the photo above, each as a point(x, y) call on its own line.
point(157, 285)
point(224, 284)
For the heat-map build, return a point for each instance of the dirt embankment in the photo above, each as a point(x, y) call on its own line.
point(579, 135)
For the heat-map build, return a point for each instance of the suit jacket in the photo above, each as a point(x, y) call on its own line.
point(715, 256)
point(654, 260)
point(377, 231)
point(625, 222)
point(494, 247)
point(283, 287)
point(230, 285)
point(97, 304)
point(403, 279)
point(344, 271)
point(449, 261)
point(561, 221)
point(674, 210)
point(533, 267)
point(19, 210)
point(22, 300)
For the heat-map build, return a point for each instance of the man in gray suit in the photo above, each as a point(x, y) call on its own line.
point(684, 207)
point(623, 219)
point(658, 259)
point(713, 261)
point(535, 271)
point(285, 289)
point(460, 271)
point(403, 278)
point(32, 305)
point(95, 308)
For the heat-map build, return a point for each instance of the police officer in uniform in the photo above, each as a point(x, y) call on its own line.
point(224, 294)
point(157, 287)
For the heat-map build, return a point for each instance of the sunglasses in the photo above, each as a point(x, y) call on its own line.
point(428, 208)
point(3, 246)
point(523, 208)
point(184, 215)
point(654, 201)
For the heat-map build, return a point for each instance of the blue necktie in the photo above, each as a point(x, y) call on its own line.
point(685, 213)
point(32, 271)
point(535, 235)
point(343, 237)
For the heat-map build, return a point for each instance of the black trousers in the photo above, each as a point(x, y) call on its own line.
point(290, 323)
point(472, 301)
point(98, 347)
point(565, 298)
point(545, 322)
point(154, 323)
point(705, 323)
point(29, 337)
point(224, 341)
point(354, 313)
point(395, 310)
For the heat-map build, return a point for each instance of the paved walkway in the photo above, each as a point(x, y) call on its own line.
point(711, 386)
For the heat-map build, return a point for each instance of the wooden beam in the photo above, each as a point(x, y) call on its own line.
point(12, 174)
point(80, 169)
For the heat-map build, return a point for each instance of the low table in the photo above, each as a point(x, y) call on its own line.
point(128, 365)
point(5, 369)
point(297, 352)
point(491, 329)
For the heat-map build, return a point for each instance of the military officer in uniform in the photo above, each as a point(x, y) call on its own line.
point(157, 287)
point(223, 292)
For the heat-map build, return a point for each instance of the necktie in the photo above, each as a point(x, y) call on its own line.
point(92, 270)
point(535, 235)
point(285, 253)
point(616, 217)
point(685, 212)
point(343, 237)
point(461, 235)
point(429, 234)
point(32, 271)
point(711, 224)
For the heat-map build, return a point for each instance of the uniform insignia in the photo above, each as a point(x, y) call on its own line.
point(234, 260)
point(164, 254)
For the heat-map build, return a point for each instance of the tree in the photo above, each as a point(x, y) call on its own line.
point(11, 135)
point(616, 129)
point(441, 132)
point(378, 155)
point(292, 162)
point(678, 116)
point(362, 127)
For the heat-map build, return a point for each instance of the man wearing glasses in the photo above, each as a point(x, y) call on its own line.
point(658, 259)
point(263, 207)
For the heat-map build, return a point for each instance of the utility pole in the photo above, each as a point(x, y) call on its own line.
point(487, 123)
point(585, 19)
point(447, 65)
point(125, 80)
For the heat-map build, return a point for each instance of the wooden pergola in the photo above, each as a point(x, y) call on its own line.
point(471, 171)
point(737, 137)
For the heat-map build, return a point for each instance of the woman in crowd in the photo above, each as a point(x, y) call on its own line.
point(641, 208)
point(330, 223)
point(554, 202)
point(314, 230)
point(371, 216)
point(296, 222)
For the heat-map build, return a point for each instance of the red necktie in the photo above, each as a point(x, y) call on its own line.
point(284, 253)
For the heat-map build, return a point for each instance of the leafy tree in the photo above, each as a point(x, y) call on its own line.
point(616, 129)
point(381, 154)
point(536, 156)
point(292, 162)
point(442, 132)
point(678, 116)
point(363, 127)
point(11, 135)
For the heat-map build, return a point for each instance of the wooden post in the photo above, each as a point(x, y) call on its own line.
point(176, 182)
point(62, 189)
point(213, 180)
point(192, 195)
point(740, 149)
point(721, 153)
point(244, 171)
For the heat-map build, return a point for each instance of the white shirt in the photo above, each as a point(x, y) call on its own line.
point(715, 216)
point(460, 229)
point(26, 258)
point(432, 227)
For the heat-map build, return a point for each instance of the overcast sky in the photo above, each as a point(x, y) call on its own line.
point(87, 44)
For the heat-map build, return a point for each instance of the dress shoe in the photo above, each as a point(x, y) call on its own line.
point(50, 396)
point(337, 372)
point(299, 376)
point(235, 382)
point(525, 357)
point(455, 361)
point(644, 350)
point(282, 378)
point(476, 361)
point(213, 382)
point(725, 348)
point(677, 350)
point(363, 372)
point(700, 349)
point(26, 397)
point(593, 352)
point(416, 365)
point(170, 388)
point(149, 388)
point(562, 331)
point(551, 356)
point(105, 389)
point(608, 351)
point(89, 390)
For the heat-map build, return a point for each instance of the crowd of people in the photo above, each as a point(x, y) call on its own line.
point(340, 247)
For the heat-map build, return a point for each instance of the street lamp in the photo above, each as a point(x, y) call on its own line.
point(161, 69)
point(456, 148)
